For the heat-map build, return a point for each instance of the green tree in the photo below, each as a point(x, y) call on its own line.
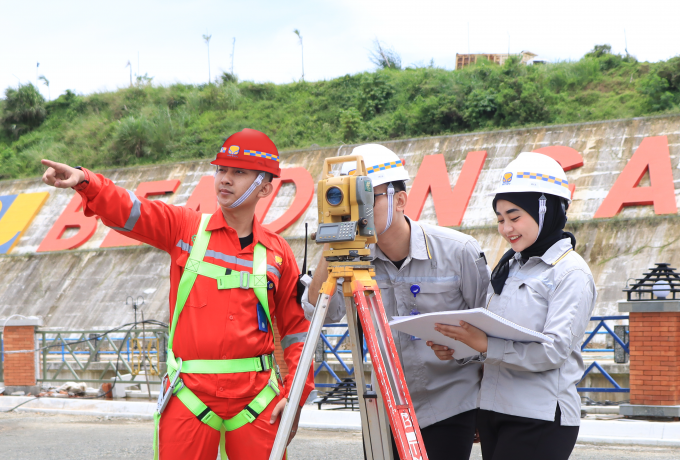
point(24, 110)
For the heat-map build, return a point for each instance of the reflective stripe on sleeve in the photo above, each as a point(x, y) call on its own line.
point(135, 213)
point(228, 259)
point(290, 339)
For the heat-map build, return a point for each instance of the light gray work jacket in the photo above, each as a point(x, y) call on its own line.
point(451, 271)
point(553, 294)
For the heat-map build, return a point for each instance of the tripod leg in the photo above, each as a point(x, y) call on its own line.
point(370, 423)
point(384, 424)
point(387, 369)
point(308, 350)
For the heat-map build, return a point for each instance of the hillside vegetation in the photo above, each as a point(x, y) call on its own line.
point(146, 123)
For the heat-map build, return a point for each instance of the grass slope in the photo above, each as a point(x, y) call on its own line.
point(150, 124)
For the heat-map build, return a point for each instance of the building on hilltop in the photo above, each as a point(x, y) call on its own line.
point(464, 60)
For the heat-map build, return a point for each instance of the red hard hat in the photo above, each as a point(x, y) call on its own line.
point(249, 149)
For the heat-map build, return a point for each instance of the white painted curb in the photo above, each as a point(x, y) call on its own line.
point(72, 406)
point(330, 420)
point(625, 431)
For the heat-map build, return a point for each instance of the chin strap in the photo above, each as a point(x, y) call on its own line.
point(542, 209)
point(390, 206)
point(247, 193)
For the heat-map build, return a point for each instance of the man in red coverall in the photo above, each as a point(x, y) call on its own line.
point(216, 324)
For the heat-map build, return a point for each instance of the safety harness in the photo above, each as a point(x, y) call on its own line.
point(226, 279)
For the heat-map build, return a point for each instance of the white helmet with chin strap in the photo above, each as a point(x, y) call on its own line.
point(535, 172)
point(383, 166)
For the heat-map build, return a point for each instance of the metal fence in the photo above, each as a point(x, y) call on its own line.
point(78, 352)
point(619, 345)
point(332, 344)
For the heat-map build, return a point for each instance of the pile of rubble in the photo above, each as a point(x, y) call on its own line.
point(70, 390)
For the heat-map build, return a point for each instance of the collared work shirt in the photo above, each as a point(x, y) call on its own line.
point(554, 294)
point(452, 274)
point(214, 324)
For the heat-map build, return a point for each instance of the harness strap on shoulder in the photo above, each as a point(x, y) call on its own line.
point(188, 277)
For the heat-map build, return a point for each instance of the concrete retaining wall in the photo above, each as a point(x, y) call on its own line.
point(87, 287)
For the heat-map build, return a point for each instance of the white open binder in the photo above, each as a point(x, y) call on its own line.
point(422, 326)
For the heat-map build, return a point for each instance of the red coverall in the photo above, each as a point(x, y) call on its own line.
point(215, 324)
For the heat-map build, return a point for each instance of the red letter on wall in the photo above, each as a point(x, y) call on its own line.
point(144, 190)
point(450, 205)
point(203, 198)
point(72, 217)
point(567, 157)
point(652, 155)
point(304, 191)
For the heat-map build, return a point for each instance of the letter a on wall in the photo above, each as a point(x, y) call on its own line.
point(652, 155)
point(16, 214)
point(450, 205)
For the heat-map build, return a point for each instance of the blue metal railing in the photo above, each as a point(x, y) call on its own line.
point(595, 365)
point(336, 351)
point(126, 350)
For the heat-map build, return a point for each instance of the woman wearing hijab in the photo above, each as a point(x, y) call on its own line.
point(529, 406)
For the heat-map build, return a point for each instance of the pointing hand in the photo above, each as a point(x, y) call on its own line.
point(61, 176)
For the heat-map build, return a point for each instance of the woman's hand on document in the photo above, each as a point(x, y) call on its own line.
point(471, 336)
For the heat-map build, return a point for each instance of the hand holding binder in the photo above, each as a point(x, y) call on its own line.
point(493, 325)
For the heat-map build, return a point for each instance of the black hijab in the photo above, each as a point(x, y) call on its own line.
point(553, 230)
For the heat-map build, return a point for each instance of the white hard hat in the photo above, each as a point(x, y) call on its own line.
point(382, 164)
point(535, 172)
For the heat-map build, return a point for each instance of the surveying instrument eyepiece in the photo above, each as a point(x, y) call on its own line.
point(345, 206)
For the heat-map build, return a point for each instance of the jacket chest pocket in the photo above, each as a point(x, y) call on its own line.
point(537, 289)
point(198, 295)
point(431, 296)
point(529, 307)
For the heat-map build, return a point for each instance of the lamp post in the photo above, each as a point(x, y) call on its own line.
point(302, 53)
point(135, 304)
point(207, 42)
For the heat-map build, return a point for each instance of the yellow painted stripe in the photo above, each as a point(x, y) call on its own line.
point(18, 218)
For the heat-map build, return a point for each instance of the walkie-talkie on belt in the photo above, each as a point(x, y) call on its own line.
point(304, 278)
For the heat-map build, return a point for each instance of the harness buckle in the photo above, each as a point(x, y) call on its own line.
point(165, 395)
point(278, 372)
point(274, 387)
point(265, 362)
point(243, 285)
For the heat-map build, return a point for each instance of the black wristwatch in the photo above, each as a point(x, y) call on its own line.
point(84, 181)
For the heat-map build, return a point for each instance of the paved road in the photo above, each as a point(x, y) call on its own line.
point(25, 436)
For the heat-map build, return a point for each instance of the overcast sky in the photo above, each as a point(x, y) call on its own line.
point(85, 45)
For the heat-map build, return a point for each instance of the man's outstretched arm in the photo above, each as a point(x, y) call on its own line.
point(152, 222)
